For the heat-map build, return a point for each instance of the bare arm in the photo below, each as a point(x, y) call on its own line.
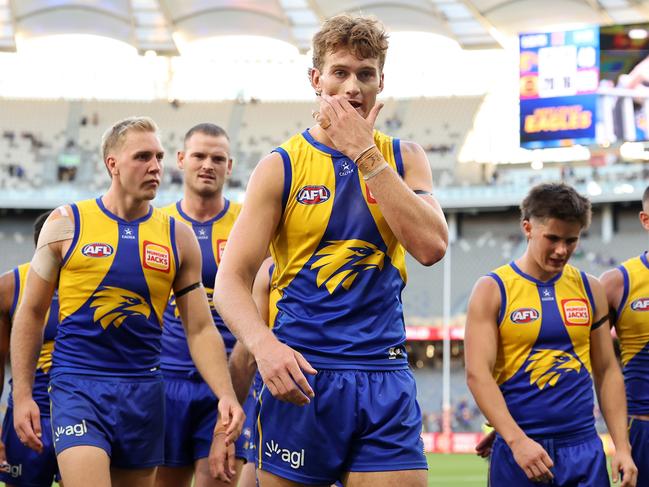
point(27, 330)
point(242, 362)
point(609, 385)
point(417, 221)
point(613, 283)
point(279, 365)
point(7, 287)
point(205, 342)
point(480, 351)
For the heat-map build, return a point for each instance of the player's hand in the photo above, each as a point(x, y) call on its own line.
point(533, 459)
point(483, 449)
point(3, 451)
point(221, 459)
point(231, 418)
point(623, 463)
point(281, 368)
point(27, 423)
point(347, 129)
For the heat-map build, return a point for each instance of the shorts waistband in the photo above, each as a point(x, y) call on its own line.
point(550, 443)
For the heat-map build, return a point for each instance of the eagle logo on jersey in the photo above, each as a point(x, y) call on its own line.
point(547, 366)
point(45, 358)
point(341, 261)
point(113, 305)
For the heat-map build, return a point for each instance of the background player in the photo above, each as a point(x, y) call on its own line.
point(20, 465)
point(190, 404)
point(536, 330)
point(116, 260)
point(627, 290)
point(340, 205)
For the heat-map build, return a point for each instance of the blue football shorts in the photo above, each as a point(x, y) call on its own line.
point(190, 418)
point(359, 421)
point(639, 438)
point(25, 467)
point(124, 416)
point(579, 461)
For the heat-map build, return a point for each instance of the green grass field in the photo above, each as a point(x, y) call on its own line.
point(460, 470)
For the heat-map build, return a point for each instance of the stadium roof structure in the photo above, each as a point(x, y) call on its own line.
point(157, 25)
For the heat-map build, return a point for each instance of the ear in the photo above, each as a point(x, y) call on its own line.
point(111, 164)
point(180, 159)
point(314, 78)
point(228, 170)
point(526, 225)
point(380, 84)
point(644, 219)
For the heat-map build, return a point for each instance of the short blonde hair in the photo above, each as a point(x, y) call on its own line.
point(364, 37)
point(115, 135)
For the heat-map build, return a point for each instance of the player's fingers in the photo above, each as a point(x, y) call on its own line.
point(374, 113)
point(236, 425)
point(334, 103)
point(36, 423)
point(301, 385)
point(293, 393)
point(615, 470)
point(232, 463)
point(304, 364)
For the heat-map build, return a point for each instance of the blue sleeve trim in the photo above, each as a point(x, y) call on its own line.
point(589, 292)
point(172, 236)
point(625, 294)
point(14, 303)
point(398, 159)
point(503, 296)
point(288, 175)
point(77, 233)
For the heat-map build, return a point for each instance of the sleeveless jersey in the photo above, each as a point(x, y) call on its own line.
point(339, 269)
point(212, 236)
point(113, 287)
point(543, 362)
point(44, 363)
point(632, 326)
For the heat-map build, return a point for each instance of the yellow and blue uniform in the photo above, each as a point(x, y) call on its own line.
point(114, 284)
point(544, 373)
point(339, 273)
point(632, 326)
point(191, 406)
point(24, 466)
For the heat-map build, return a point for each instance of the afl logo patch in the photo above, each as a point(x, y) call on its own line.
point(156, 257)
point(522, 316)
point(576, 312)
point(640, 304)
point(97, 250)
point(313, 195)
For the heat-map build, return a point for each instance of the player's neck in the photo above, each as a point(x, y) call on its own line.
point(124, 206)
point(321, 136)
point(202, 208)
point(529, 266)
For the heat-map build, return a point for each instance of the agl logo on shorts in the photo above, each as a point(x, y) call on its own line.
point(313, 195)
point(14, 470)
point(294, 458)
point(522, 316)
point(97, 249)
point(640, 304)
point(78, 429)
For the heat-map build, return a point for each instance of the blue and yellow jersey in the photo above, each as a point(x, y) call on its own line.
point(212, 236)
point(632, 326)
point(543, 362)
point(339, 269)
point(114, 285)
point(41, 378)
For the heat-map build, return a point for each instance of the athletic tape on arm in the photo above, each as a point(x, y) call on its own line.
point(45, 262)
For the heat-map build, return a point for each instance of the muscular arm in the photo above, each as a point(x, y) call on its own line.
point(205, 343)
point(247, 247)
point(7, 286)
point(27, 330)
point(416, 220)
point(242, 362)
point(609, 386)
point(613, 284)
point(480, 351)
